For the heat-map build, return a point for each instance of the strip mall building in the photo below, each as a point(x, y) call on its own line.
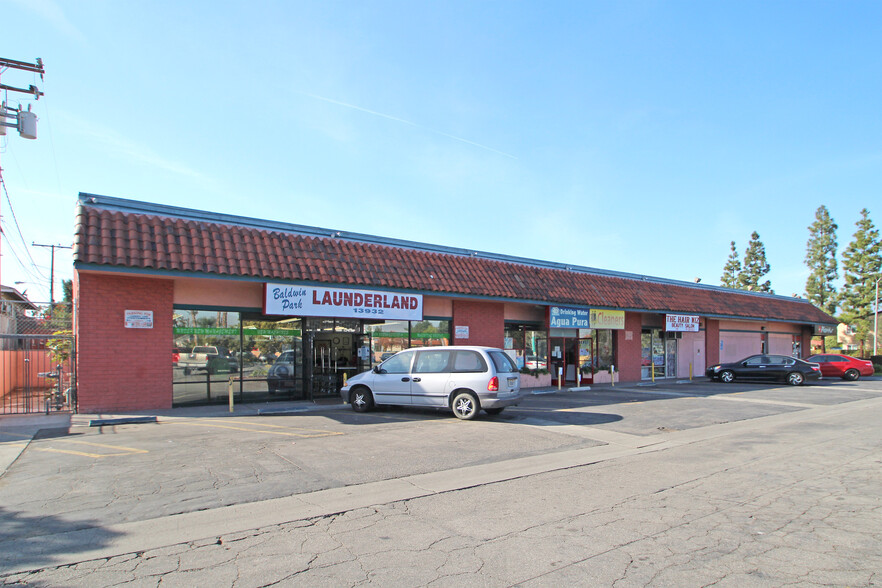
point(275, 310)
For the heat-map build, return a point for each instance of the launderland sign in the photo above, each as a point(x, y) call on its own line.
point(297, 300)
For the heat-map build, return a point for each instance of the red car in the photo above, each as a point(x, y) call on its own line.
point(842, 366)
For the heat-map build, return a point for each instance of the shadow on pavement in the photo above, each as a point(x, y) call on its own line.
point(32, 542)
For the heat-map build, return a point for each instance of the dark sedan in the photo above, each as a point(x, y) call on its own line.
point(779, 368)
point(843, 366)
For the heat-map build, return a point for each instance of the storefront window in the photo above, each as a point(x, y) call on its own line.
point(536, 345)
point(391, 337)
point(273, 358)
point(429, 333)
point(514, 338)
point(200, 328)
point(206, 351)
point(526, 346)
point(211, 348)
point(388, 338)
point(604, 356)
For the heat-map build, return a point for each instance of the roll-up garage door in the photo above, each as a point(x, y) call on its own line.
point(735, 346)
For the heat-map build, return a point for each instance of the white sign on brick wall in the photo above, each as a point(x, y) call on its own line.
point(139, 319)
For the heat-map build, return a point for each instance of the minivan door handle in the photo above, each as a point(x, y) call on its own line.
point(405, 379)
point(416, 380)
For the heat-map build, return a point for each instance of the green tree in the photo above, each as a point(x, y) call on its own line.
point(732, 269)
point(861, 265)
point(755, 267)
point(67, 288)
point(820, 257)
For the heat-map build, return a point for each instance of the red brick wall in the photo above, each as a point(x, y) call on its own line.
point(119, 368)
point(712, 341)
point(485, 320)
point(628, 351)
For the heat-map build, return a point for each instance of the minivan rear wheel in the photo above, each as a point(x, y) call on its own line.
point(361, 400)
point(465, 406)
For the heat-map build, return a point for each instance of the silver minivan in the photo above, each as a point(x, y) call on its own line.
point(463, 379)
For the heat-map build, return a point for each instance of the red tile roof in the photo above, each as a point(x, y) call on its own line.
point(154, 243)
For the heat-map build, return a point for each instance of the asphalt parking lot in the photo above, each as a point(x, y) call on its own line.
point(72, 478)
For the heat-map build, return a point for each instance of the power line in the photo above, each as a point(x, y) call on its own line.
point(24, 267)
point(52, 144)
point(17, 227)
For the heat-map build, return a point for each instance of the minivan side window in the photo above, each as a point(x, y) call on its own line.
point(469, 361)
point(431, 362)
point(503, 362)
point(397, 364)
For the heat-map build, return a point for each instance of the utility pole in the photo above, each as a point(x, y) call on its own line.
point(25, 120)
point(51, 269)
point(876, 317)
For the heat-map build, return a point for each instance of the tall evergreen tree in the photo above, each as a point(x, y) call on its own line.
point(861, 266)
point(820, 257)
point(67, 289)
point(755, 267)
point(731, 270)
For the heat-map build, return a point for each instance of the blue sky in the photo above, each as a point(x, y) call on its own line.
point(633, 136)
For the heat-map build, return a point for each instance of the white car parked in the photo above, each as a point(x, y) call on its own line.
point(463, 379)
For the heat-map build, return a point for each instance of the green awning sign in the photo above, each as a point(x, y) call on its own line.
point(234, 331)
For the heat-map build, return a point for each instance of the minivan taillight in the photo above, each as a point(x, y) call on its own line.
point(493, 385)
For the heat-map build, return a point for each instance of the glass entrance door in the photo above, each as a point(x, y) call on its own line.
point(333, 353)
point(556, 359)
point(671, 358)
point(565, 359)
point(652, 364)
point(586, 360)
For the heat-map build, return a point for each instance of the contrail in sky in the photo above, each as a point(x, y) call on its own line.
point(406, 122)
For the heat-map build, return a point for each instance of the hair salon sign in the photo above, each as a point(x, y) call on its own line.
point(295, 300)
point(681, 322)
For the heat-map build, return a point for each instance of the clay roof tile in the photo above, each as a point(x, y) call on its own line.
point(135, 240)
